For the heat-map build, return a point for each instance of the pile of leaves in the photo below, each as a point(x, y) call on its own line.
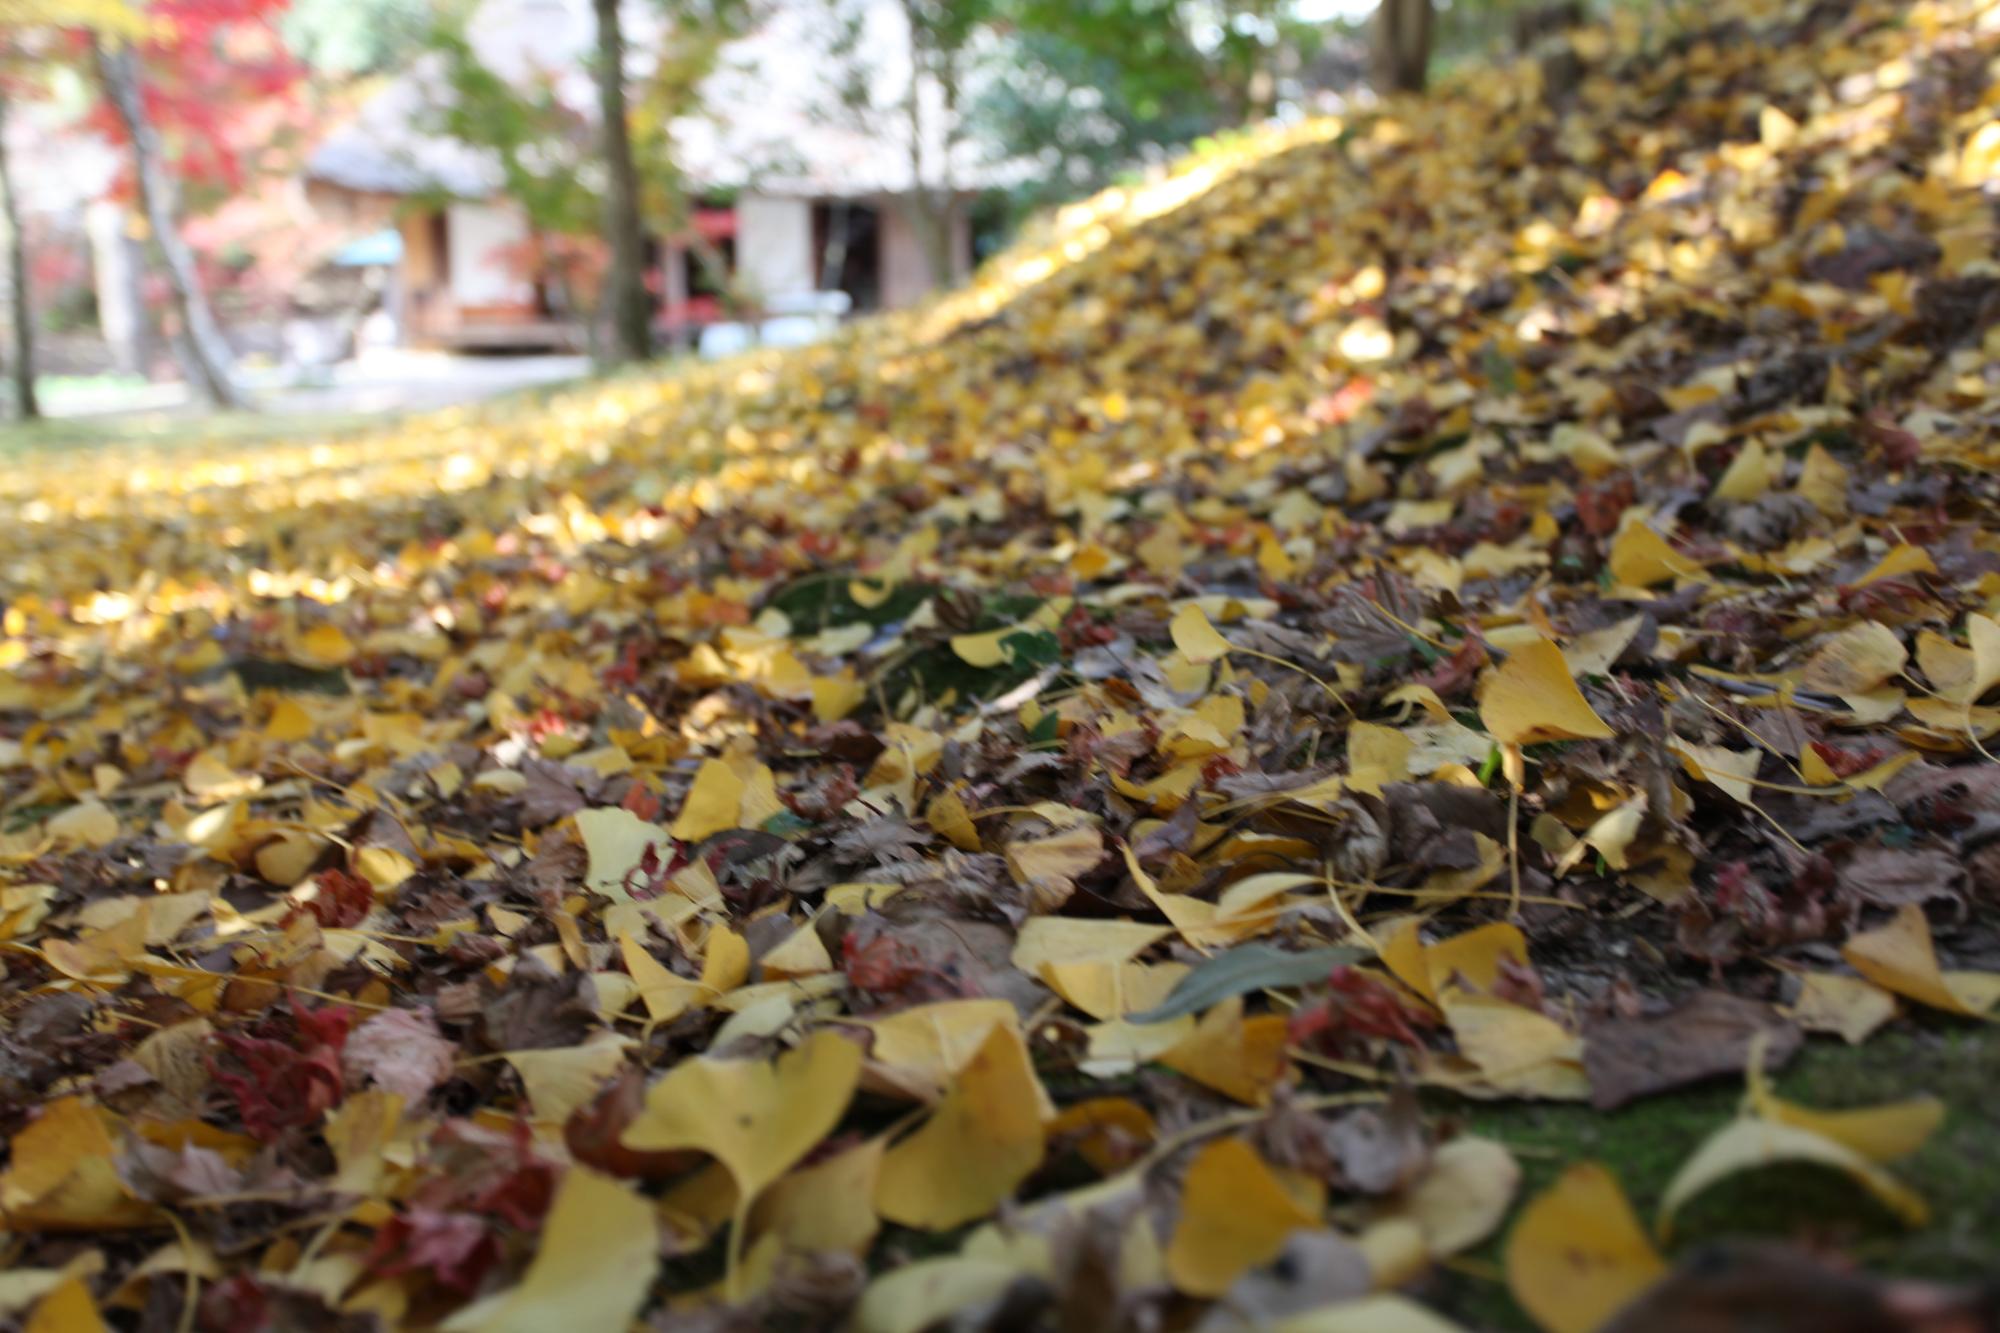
point(1033, 813)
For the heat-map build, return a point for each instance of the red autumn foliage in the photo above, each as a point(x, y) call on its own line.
point(343, 899)
point(454, 1227)
point(288, 1081)
point(1358, 1005)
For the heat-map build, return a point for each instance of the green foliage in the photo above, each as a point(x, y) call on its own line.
point(343, 38)
point(1094, 88)
point(540, 143)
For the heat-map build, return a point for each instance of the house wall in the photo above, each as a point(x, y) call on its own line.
point(774, 246)
point(906, 275)
point(478, 278)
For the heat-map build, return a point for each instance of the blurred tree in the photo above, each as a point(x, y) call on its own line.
point(1228, 58)
point(592, 186)
point(686, 54)
point(1403, 35)
point(344, 38)
point(919, 98)
point(203, 349)
point(200, 99)
point(630, 307)
point(543, 148)
point(1092, 88)
point(20, 299)
point(941, 33)
point(20, 21)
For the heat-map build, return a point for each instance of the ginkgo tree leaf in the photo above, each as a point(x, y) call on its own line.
point(938, 779)
point(1578, 1253)
point(978, 1146)
point(1532, 697)
point(757, 1118)
point(599, 1251)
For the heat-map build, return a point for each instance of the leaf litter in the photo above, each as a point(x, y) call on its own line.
point(996, 819)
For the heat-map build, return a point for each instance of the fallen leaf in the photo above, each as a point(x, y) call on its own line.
point(598, 1254)
point(1245, 968)
point(1241, 1058)
point(1848, 1006)
point(1748, 1143)
point(1708, 1035)
point(67, 1309)
point(400, 1051)
point(712, 802)
point(1198, 640)
point(1855, 661)
point(983, 1140)
point(1531, 697)
point(1234, 1215)
point(756, 1118)
point(1577, 1254)
point(1898, 957)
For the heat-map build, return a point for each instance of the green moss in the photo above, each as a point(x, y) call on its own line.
point(1957, 1171)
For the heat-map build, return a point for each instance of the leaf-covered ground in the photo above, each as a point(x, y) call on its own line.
point(1127, 799)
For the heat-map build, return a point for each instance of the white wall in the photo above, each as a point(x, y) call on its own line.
point(473, 233)
point(774, 246)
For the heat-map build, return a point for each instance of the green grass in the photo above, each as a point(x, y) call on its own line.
point(1957, 1171)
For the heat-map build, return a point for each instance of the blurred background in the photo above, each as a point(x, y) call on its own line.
point(339, 208)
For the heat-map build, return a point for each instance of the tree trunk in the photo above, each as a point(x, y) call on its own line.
point(927, 210)
point(204, 349)
point(625, 287)
point(1402, 45)
point(115, 273)
point(19, 298)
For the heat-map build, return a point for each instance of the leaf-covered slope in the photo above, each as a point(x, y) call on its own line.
point(1528, 551)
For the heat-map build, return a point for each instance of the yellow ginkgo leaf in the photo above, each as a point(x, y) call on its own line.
point(1855, 661)
point(1748, 475)
point(983, 1140)
point(1641, 557)
point(1235, 1215)
point(1593, 652)
point(63, 1175)
point(1823, 482)
point(1464, 1195)
point(324, 645)
point(1243, 1059)
point(984, 650)
point(1199, 641)
point(666, 994)
point(919, 1296)
point(799, 954)
point(1849, 1006)
point(756, 1118)
point(67, 1309)
point(1748, 1142)
point(1370, 1314)
point(712, 804)
point(1578, 1254)
point(559, 1079)
point(725, 961)
point(1532, 697)
point(89, 823)
point(926, 1045)
point(595, 1264)
point(829, 1205)
point(1899, 957)
point(616, 841)
point(1900, 560)
point(1882, 1133)
point(950, 820)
